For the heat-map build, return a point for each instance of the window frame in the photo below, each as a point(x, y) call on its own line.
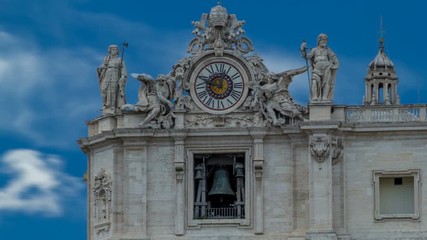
point(191, 183)
point(416, 174)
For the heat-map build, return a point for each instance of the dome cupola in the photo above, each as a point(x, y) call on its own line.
point(381, 80)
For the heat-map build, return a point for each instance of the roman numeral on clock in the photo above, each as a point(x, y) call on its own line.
point(235, 95)
point(238, 85)
point(210, 69)
point(209, 101)
point(235, 76)
point(203, 78)
point(228, 70)
point(201, 85)
point(220, 67)
point(202, 94)
point(220, 104)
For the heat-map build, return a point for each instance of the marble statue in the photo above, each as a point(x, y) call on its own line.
point(112, 77)
point(279, 103)
point(324, 65)
point(155, 98)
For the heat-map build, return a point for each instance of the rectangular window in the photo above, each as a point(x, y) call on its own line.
point(396, 194)
point(218, 189)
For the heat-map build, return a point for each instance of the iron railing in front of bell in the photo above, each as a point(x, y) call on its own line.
point(222, 213)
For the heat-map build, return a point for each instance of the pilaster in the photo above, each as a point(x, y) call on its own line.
point(135, 188)
point(118, 214)
point(179, 163)
point(179, 119)
point(258, 165)
point(324, 150)
point(320, 179)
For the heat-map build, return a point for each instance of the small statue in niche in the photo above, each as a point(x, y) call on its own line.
point(112, 76)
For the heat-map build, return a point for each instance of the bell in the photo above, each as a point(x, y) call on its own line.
point(221, 184)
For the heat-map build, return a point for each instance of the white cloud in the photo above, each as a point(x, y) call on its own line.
point(45, 92)
point(37, 185)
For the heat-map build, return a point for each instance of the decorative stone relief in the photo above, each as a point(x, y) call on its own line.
point(248, 119)
point(155, 98)
point(245, 120)
point(184, 103)
point(269, 94)
point(195, 121)
point(320, 148)
point(337, 149)
point(258, 67)
point(102, 200)
point(273, 99)
point(181, 98)
point(219, 30)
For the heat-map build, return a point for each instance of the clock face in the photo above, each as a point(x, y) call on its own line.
point(219, 86)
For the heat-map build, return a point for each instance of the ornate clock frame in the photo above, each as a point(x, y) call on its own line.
point(210, 97)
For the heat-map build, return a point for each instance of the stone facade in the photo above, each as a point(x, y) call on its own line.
point(318, 172)
point(291, 193)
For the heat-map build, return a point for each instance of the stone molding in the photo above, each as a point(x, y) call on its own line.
point(416, 174)
point(189, 174)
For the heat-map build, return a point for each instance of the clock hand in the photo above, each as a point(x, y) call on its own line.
point(207, 80)
point(219, 84)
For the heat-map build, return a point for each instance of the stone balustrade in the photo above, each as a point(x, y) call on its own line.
point(395, 113)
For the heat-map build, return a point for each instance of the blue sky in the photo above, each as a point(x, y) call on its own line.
point(49, 51)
